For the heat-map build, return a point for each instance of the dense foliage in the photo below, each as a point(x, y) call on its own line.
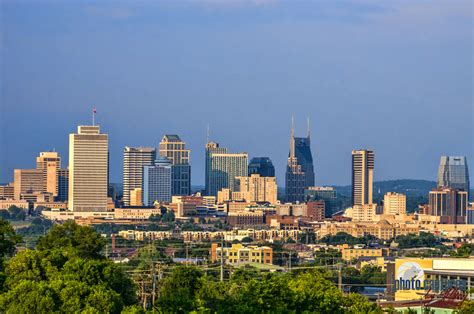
point(65, 273)
point(188, 289)
point(345, 238)
point(413, 241)
point(13, 213)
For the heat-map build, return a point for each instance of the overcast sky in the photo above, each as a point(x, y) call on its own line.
point(393, 76)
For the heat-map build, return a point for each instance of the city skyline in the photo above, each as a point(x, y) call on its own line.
point(65, 69)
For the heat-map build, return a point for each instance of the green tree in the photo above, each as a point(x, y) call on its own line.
point(73, 240)
point(8, 239)
point(356, 303)
point(465, 250)
point(178, 291)
point(52, 279)
point(467, 307)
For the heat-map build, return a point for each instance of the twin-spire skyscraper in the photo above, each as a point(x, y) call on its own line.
point(300, 169)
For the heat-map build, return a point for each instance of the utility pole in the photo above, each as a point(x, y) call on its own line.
point(222, 259)
point(187, 254)
point(339, 276)
point(153, 286)
point(289, 261)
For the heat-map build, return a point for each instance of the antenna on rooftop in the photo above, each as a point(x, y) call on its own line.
point(94, 111)
point(208, 132)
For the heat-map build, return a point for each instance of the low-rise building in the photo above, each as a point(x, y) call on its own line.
point(51, 205)
point(351, 253)
point(136, 213)
point(246, 218)
point(6, 204)
point(240, 254)
point(382, 229)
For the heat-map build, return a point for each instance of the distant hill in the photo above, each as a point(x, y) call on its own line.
point(408, 187)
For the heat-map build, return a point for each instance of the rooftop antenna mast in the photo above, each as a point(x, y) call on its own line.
point(309, 129)
point(94, 111)
point(292, 139)
point(208, 132)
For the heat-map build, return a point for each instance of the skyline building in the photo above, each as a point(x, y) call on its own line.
point(157, 181)
point(262, 166)
point(27, 181)
point(49, 163)
point(394, 203)
point(363, 208)
point(362, 177)
point(328, 194)
point(63, 185)
point(210, 148)
point(453, 173)
point(223, 167)
point(256, 188)
point(449, 204)
point(88, 169)
point(173, 148)
point(134, 159)
point(299, 170)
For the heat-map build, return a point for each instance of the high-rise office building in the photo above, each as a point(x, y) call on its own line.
point(394, 203)
point(134, 159)
point(450, 205)
point(262, 166)
point(453, 173)
point(363, 208)
point(27, 181)
point(157, 182)
point(49, 163)
point(88, 169)
point(211, 147)
point(327, 194)
point(256, 188)
point(173, 148)
point(63, 185)
point(362, 176)
point(300, 169)
point(222, 168)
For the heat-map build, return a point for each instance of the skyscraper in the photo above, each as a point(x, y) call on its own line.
point(453, 173)
point(449, 204)
point(88, 169)
point(49, 163)
point(211, 147)
point(223, 167)
point(157, 182)
point(27, 181)
point(363, 208)
point(63, 185)
point(362, 177)
point(134, 159)
point(173, 148)
point(262, 166)
point(300, 169)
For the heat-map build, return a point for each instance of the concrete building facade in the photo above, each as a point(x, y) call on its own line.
point(88, 169)
point(134, 159)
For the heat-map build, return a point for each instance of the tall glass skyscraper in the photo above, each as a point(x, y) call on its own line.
point(300, 169)
point(173, 148)
point(262, 166)
point(453, 173)
point(157, 182)
point(222, 168)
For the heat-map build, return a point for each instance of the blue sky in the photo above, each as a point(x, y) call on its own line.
point(393, 76)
